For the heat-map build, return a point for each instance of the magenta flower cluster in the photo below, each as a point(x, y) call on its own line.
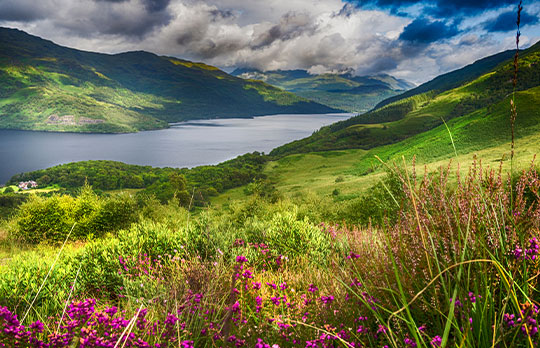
point(530, 253)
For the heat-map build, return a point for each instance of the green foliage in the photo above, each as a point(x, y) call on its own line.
point(51, 219)
point(153, 239)
point(164, 183)
point(381, 201)
point(9, 202)
point(42, 219)
point(288, 235)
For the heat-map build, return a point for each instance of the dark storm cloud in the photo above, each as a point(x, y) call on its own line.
point(150, 5)
point(218, 15)
point(156, 5)
point(506, 21)
point(132, 19)
point(114, 22)
point(210, 48)
point(424, 31)
point(291, 25)
point(23, 11)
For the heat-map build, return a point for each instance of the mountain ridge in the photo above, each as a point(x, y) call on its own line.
point(123, 92)
point(339, 90)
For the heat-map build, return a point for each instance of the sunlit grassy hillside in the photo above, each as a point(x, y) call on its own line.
point(482, 102)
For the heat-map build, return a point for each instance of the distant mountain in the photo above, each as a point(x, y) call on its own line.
point(44, 86)
point(477, 110)
point(342, 91)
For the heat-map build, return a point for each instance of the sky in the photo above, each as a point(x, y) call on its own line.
point(413, 40)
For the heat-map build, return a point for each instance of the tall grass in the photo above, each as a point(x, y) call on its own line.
point(457, 267)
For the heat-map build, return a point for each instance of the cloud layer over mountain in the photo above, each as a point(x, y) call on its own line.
point(409, 39)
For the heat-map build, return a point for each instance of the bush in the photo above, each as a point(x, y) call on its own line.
point(44, 219)
point(292, 237)
point(51, 219)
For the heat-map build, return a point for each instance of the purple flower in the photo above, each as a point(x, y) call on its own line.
point(411, 343)
point(272, 285)
point(37, 326)
point(235, 307)
point(509, 319)
point(275, 300)
point(327, 299)
point(241, 259)
point(436, 341)
point(353, 256)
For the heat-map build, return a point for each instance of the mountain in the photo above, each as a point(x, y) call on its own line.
point(478, 111)
point(342, 91)
point(454, 78)
point(44, 86)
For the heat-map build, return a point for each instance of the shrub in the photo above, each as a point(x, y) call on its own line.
point(44, 219)
point(288, 235)
point(51, 219)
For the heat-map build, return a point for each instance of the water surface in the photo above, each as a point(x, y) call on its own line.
point(186, 144)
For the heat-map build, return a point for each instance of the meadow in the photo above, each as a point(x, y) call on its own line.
point(451, 264)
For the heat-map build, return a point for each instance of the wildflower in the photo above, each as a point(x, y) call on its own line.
point(327, 299)
point(312, 288)
point(241, 259)
point(353, 256)
point(37, 326)
point(509, 319)
point(381, 329)
point(283, 286)
point(472, 298)
point(272, 285)
point(235, 307)
point(436, 341)
point(411, 343)
point(256, 285)
point(362, 329)
point(260, 344)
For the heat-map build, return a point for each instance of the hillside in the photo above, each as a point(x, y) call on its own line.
point(454, 78)
point(483, 100)
point(341, 91)
point(44, 86)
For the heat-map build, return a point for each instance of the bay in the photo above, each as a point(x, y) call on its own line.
point(186, 144)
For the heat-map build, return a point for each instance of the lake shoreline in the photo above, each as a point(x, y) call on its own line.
point(168, 125)
point(182, 145)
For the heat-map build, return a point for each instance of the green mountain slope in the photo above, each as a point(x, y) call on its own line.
point(44, 86)
point(454, 78)
point(342, 91)
point(404, 118)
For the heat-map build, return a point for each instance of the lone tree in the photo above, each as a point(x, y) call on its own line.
point(179, 184)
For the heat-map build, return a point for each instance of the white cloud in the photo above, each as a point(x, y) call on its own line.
point(320, 35)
